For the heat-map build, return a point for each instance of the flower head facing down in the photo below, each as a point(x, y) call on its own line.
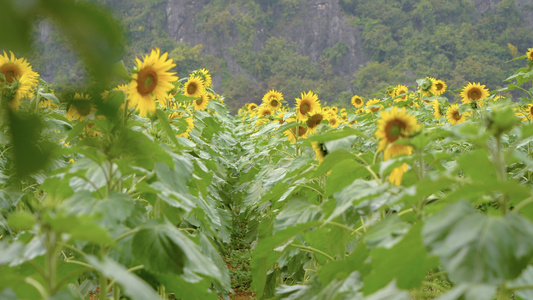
point(151, 81)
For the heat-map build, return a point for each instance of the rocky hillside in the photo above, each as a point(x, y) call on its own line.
point(334, 47)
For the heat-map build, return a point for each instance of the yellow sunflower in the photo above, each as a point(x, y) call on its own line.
point(251, 107)
point(373, 102)
point(436, 109)
point(320, 151)
point(401, 90)
point(525, 112)
point(438, 87)
point(201, 102)
point(313, 122)
point(474, 91)
point(529, 54)
point(297, 132)
point(273, 99)
point(194, 87)
point(334, 121)
point(80, 107)
point(308, 104)
point(151, 81)
point(21, 72)
point(265, 111)
point(357, 101)
point(205, 76)
point(392, 125)
point(454, 117)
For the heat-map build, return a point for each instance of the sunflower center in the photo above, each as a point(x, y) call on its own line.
point(333, 121)
point(394, 129)
point(531, 110)
point(10, 71)
point(147, 81)
point(456, 115)
point(199, 101)
point(439, 86)
point(358, 101)
point(274, 103)
point(474, 94)
point(305, 107)
point(314, 121)
point(83, 107)
point(191, 88)
point(374, 109)
point(266, 112)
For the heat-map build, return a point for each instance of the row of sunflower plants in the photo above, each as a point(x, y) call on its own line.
point(130, 195)
point(412, 195)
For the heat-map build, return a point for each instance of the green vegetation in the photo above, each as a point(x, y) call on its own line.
point(403, 40)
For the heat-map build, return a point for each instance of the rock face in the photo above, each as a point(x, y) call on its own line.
point(320, 25)
point(524, 6)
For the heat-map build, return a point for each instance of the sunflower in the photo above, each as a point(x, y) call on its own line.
point(425, 86)
point(334, 121)
point(401, 90)
point(454, 117)
point(265, 111)
point(201, 102)
point(474, 91)
point(205, 77)
point(308, 104)
point(320, 151)
point(313, 122)
point(438, 87)
point(393, 125)
point(396, 174)
point(297, 132)
point(21, 72)
point(80, 107)
point(151, 81)
point(525, 112)
point(436, 109)
point(273, 98)
point(357, 101)
point(194, 87)
point(373, 102)
point(251, 107)
point(529, 54)
point(334, 109)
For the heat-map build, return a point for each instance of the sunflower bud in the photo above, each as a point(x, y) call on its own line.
point(501, 119)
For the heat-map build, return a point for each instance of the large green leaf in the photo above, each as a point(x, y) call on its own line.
point(163, 248)
point(477, 248)
point(407, 262)
point(296, 212)
point(266, 253)
point(133, 286)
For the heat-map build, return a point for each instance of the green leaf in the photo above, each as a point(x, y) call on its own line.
point(477, 165)
point(19, 19)
point(387, 232)
point(133, 286)
point(21, 221)
point(296, 212)
point(407, 262)
point(341, 269)
point(524, 280)
point(342, 175)
point(265, 253)
point(165, 234)
point(331, 159)
point(476, 248)
point(155, 247)
point(470, 291)
point(338, 134)
point(80, 228)
point(163, 120)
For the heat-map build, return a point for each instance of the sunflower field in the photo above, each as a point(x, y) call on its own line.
point(141, 185)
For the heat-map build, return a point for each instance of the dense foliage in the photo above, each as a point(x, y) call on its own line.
point(402, 41)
